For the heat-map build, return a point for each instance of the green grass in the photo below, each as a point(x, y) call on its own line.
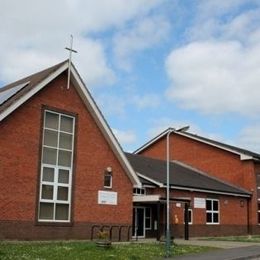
point(88, 250)
point(255, 238)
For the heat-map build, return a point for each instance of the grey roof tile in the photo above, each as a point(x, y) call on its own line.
point(181, 175)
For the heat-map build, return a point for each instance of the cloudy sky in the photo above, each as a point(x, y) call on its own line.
point(150, 64)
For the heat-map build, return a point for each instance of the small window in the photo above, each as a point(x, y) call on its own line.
point(258, 213)
point(212, 211)
point(190, 216)
point(148, 218)
point(139, 191)
point(108, 180)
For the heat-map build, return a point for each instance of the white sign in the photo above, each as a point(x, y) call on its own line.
point(107, 197)
point(200, 203)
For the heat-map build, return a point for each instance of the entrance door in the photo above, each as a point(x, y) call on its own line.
point(139, 222)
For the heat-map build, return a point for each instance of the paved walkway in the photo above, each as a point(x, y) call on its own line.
point(228, 250)
point(219, 244)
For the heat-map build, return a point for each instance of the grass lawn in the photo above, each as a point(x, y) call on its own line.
point(88, 250)
point(255, 238)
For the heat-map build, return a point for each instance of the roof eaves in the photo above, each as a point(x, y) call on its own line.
point(211, 177)
point(236, 194)
point(106, 130)
point(27, 95)
point(243, 154)
point(151, 180)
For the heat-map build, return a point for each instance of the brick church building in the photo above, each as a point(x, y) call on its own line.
point(239, 168)
point(63, 174)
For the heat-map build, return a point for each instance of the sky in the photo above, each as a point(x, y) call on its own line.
point(149, 64)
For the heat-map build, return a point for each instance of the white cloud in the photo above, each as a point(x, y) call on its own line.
point(161, 124)
point(220, 74)
point(92, 61)
point(145, 33)
point(146, 101)
point(34, 34)
point(249, 138)
point(111, 104)
point(125, 137)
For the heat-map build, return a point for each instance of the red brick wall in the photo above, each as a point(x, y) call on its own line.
point(214, 161)
point(19, 159)
point(232, 214)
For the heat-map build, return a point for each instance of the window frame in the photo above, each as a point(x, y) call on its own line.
point(139, 191)
point(212, 212)
point(258, 212)
point(148, 218)
point(56, 167)
point(191, 216)
point(108, 174)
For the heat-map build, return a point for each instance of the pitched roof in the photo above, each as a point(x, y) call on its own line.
point(14, 95)
point(27, 84)
point(182, 176)
point(244, 154)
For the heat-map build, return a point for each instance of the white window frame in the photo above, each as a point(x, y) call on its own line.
point(110, 182)
point(56, 168)
point(149, 218)
point(139, 191)
point(258, 211)
point(191, 216)
point(212, 212)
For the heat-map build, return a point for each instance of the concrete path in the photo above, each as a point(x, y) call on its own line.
point(228, 250)
point(240, 253)
point(219, 244)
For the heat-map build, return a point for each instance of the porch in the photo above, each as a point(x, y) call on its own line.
point(149, 216)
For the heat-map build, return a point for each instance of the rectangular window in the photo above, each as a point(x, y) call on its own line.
point(139, 191)
point(190, 216)
point(108, 180)
point(258, 213)
point(212, 211)
point(56, 167)
point(148, 218)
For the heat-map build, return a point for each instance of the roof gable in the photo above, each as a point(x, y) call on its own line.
point(38, 81)
point(243, 153)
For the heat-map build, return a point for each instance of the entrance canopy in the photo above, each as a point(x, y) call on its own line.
point(158, 198)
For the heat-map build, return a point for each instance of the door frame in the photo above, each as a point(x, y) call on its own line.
point(135, 221)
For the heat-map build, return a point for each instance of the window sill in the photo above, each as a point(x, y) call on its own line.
point(53, 223)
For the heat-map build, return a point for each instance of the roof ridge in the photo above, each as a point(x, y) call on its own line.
point(235, 149)
point(26, 78)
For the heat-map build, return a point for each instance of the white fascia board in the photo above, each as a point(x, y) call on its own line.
point(151, 180)
point(242, 155)
point(90, 103)
point(151, 142)
point(209, 191)
point(33, 91)
point(146, 198)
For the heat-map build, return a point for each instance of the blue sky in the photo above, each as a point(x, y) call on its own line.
point(150, 64)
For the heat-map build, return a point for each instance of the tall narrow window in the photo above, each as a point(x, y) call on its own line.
point(212, 211)
point(148, 218)
point(258, 213)
point(108, 179)
point(56, 167)
point(190, 216)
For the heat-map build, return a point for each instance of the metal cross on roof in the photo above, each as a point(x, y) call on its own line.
point(70, 56)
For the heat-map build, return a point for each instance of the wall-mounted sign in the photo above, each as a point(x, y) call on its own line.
point(200, 203)
point(107, 197)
